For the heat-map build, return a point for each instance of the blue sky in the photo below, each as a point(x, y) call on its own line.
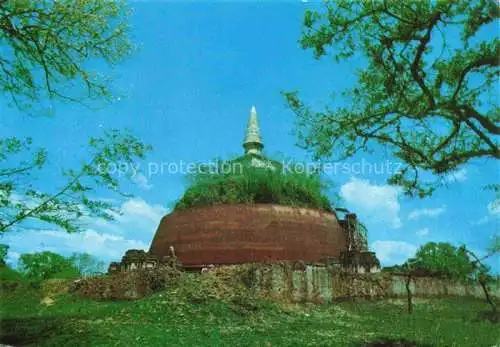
point(188, 90)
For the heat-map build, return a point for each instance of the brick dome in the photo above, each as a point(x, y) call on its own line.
point(232, 234)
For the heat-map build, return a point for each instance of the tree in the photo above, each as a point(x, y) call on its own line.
point(409, 277)
point(66, 205)
point(47, 48)
point(46, 265)
point(494, 248)
point(437, 259)
point(483, 277)
point(430, 100)
point(457, 263)
point(445, 260)
point(4, 250)
point(87, 264)
point(47, 45)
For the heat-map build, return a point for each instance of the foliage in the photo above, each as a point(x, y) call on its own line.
point(47, 47)
point(87, 264)
point(4, 250)
point(234, 184)
point(46, 265)
point(495, 245)
point(428, 98)
point(445, 259)
point(21, 202)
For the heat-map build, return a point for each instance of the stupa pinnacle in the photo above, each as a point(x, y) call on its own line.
point(253, 142)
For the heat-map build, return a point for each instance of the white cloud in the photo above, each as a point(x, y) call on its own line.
point(139, 210)
point(102, 245)
point(422, 232)
point(494, 208)
point(377, 202)
point(457, 176)
point(12, 258)
point(493, 213)
point(480, 221)
point(142, 181)
point(135, 213)
point(393, 252)
point(426, 212)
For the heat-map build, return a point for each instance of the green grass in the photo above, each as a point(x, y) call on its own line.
point(251, 185)
point(171, 319)
point(8, 274)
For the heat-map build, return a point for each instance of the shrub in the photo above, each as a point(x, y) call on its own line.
point(45, 265)
point(254, 185)
point(444, 259)
point(4, 249)
point(48, 265)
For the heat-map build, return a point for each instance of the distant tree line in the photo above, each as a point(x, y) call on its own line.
point(445, 260)
point(46, 265)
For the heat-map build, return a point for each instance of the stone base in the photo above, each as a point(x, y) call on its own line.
point(127, 285)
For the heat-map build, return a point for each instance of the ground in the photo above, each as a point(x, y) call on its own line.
point(181, 316)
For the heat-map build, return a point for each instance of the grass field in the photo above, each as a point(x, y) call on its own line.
point(171, 318)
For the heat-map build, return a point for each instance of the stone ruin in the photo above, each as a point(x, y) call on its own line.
point(139, 274)
point(360, 262)
point(356, 233)
point(357, 258)
point(138, 259)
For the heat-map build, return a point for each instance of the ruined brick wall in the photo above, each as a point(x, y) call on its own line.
point(317, 284)
point(289, 281)
point(232, 234)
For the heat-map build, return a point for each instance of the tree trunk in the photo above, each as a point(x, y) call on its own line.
point(490, 301)
point(482, 279)
point(408, 291)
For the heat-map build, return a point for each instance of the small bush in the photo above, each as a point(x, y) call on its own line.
point(45, 265)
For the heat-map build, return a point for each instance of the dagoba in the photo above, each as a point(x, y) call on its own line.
point(245, 233)
point(231, 234)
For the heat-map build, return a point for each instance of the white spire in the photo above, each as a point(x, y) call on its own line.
point(253, 142)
